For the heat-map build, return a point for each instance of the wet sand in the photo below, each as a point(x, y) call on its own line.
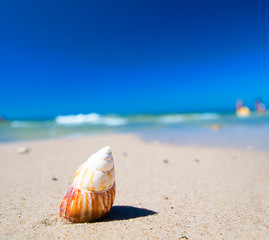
point(163, 191)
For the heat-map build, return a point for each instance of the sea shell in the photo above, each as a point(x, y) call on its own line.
point(22, 150)
point(93, 191)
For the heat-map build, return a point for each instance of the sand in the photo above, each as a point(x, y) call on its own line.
point(163, 191)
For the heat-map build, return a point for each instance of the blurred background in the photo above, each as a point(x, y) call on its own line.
point(185, 72)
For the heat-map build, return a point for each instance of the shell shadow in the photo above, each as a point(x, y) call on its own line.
point(126, 212)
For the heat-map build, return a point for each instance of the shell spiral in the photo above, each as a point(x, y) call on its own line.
point(93, 191)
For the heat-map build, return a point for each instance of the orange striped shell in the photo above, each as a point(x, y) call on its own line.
point(81, 205)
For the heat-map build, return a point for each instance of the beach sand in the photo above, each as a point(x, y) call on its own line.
point(163, 191)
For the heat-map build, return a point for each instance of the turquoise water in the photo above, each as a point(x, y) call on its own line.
point(193, 129)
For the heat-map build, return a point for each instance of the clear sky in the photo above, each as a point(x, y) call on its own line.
point(69, 57)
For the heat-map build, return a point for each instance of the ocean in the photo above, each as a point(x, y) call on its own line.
point(206, 129)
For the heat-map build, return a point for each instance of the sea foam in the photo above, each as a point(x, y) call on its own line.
point(177, 118)
point(92, 118)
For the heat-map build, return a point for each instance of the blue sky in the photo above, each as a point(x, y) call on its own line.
point(66, 57)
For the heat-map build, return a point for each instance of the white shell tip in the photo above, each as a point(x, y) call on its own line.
point(106, 150)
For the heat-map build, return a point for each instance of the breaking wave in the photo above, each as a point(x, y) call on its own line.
point(177, 118)
point(116, 120)
point(92, 118)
